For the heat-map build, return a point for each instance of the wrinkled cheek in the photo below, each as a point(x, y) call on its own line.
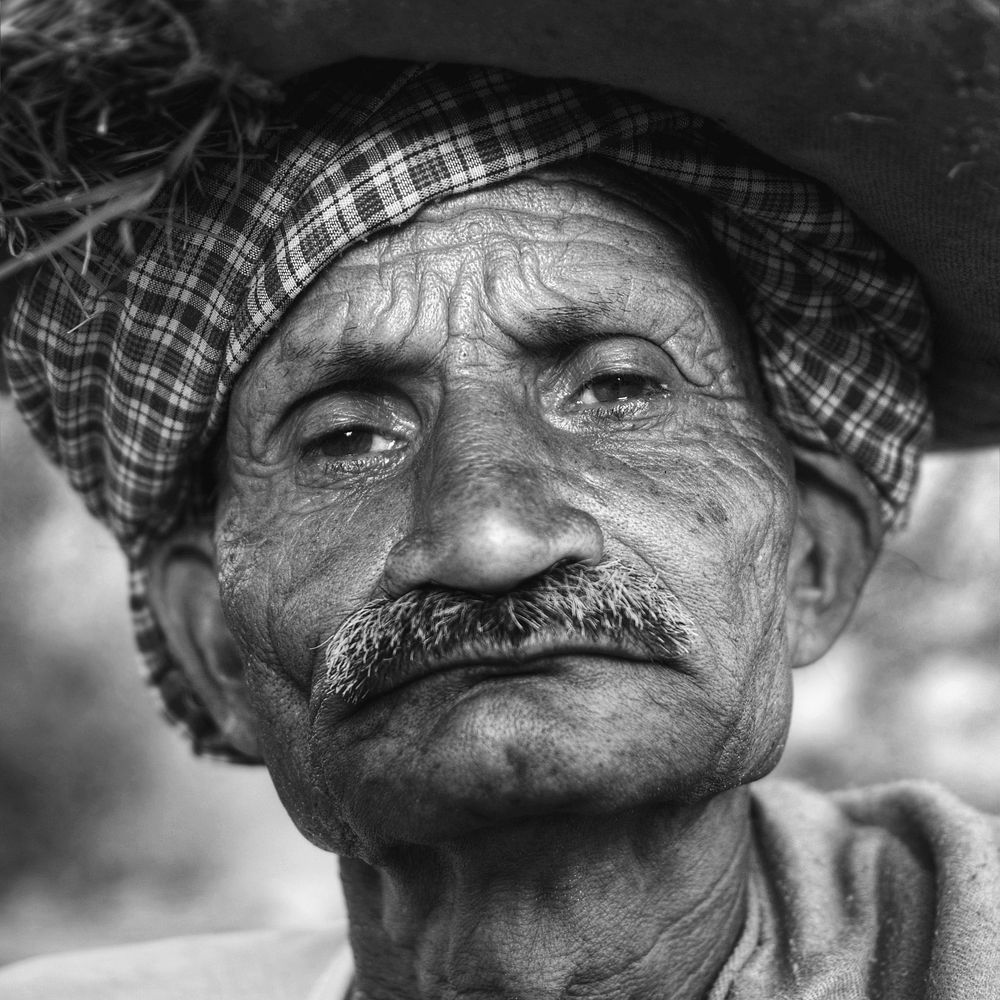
point(759, 585)
point(768, 677)
point(256, 563)
point(252, 567)
point(768, 725)
point(244, 556)
point(761, 548)
point(296, 759)
point(756, 626)
point(758, 698)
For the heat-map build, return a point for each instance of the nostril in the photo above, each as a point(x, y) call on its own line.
point(407, 566)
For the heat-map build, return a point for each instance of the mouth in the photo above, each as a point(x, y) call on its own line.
point(496, 661)
point(607, 613)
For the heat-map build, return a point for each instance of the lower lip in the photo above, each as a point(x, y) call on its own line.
point(518, 671)
point(465, 682)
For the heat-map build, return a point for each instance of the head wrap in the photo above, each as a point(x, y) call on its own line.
point(126, 385)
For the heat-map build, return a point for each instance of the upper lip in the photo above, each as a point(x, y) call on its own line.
point(520, 654)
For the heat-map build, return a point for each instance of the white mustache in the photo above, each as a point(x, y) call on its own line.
point(382, 643)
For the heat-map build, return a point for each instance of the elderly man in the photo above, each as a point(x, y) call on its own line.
point(486, 458)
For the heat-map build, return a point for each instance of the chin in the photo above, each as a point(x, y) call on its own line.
point(460, 751)
point(492, 760)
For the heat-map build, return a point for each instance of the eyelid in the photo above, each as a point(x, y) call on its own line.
point(624, 355)
point(342, 407)
point(628, 347)
point(363, 387)
point(314, 469)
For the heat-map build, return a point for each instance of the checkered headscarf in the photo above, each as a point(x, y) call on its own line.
point(126, 385)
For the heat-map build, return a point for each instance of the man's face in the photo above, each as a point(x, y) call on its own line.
point(525, 378)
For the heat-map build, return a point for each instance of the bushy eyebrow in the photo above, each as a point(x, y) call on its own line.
point(551, 328)
point(562, 322)
point(330, 363)
point(554, 328)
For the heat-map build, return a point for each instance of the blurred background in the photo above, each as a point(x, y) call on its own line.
point(111, 831)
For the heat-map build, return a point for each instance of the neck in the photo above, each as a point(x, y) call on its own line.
point(641, 905)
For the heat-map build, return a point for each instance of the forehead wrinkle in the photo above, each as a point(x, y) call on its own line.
point(560, 309)
point(680, 318)
point(300, 337)
point(341, 332)
point(400, 298)
point(399, 303)
point(703, 349)
point(557, 286)
point(574, 208)
point(522, 301)
point(572, 221)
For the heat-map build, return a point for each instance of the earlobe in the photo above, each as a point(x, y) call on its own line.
point(184, 596)
point(834, 543)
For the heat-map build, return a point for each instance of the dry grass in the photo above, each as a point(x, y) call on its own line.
point(105, 104)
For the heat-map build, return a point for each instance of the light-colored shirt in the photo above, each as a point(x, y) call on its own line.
point(890, 893)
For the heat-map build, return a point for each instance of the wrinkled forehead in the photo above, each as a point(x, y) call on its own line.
point(578, 246)
point(581, 201)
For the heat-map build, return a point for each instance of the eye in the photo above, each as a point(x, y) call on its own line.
point(349, 433)
point(352, 442)
point(617, 388)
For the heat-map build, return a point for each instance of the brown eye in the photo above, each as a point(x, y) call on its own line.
point(615, 389)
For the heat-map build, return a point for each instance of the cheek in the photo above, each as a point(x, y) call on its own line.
point(291, 571)
point(711, 511)
point(283, 714)
point(710, 508)
point(288, 575)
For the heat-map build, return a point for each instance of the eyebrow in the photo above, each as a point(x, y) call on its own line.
point(331, 363)
point(558, 327)
point(552, 328)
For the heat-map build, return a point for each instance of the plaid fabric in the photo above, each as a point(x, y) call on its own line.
point(126, 386)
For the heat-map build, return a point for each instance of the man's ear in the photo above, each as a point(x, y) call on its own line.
point(836, 538)
point(184, 596)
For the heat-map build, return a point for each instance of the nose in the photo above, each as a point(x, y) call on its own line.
point(487, 526)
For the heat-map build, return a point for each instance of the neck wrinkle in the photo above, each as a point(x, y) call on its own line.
point(647, 904)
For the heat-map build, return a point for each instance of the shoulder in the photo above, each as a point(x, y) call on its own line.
point(897, 885)
point(923, 817)
point(269, 965)
point(911, 833)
